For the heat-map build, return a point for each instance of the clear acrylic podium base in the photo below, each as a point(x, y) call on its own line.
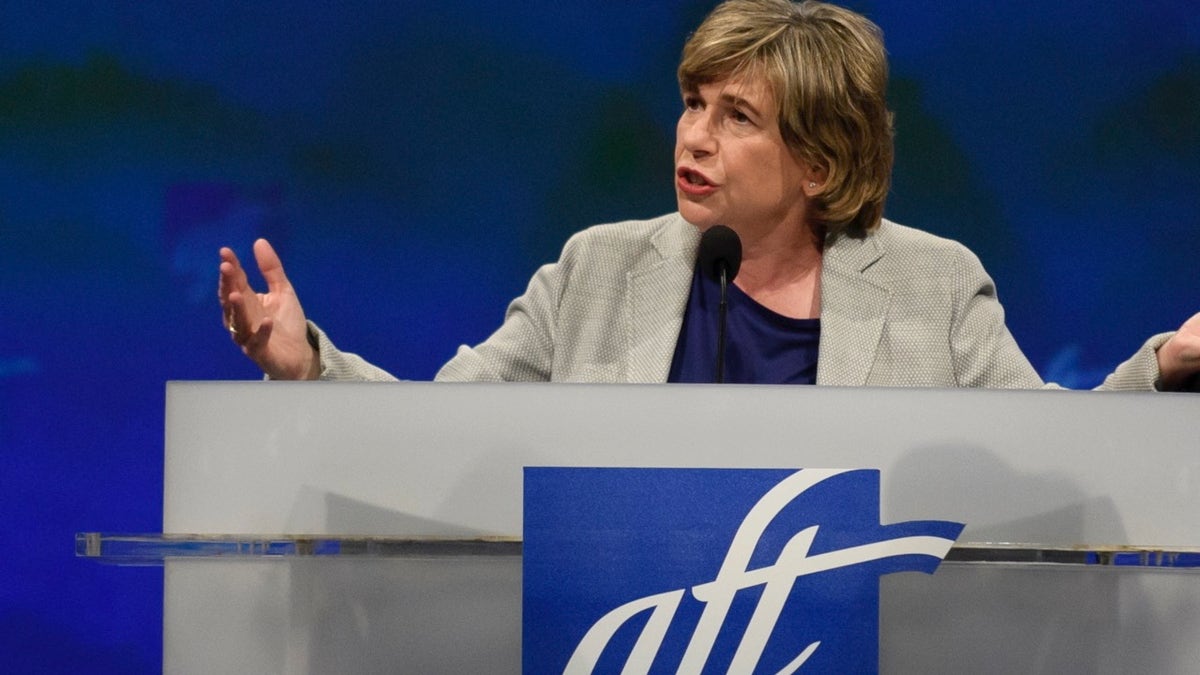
point(334, 604)
point(154, 549)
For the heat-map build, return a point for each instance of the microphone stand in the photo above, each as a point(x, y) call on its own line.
point(722, 308)
point(719, 256)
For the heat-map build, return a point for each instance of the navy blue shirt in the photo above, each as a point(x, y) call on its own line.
point(761, 346)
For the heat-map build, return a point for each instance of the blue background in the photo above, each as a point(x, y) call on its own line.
point(415, 162)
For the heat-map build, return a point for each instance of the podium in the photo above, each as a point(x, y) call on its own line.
point(368, 527)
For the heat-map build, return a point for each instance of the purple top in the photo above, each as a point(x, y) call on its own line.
point(761, 346)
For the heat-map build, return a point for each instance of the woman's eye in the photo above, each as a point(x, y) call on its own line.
point(691, 103)
point(739, 116)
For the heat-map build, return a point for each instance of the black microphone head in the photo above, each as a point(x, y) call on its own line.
point(719, 246)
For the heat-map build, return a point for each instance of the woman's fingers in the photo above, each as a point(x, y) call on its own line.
point(235, 319)
point(256, 340)
point(231, 277)
point(270, 266)
point(232, 287)
point(1179, 357)
point(252, 318)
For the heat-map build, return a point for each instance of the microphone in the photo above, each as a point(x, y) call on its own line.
point(720, 259)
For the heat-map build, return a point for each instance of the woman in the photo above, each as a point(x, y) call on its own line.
point(785, 137)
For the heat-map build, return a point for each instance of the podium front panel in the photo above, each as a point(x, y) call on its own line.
point(432, 459)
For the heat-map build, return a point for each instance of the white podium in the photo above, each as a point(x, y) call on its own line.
point(1050, 470)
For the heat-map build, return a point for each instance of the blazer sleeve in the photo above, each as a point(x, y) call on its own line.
point(1140, 372)
point(986, 354)
point(984, 351)
point(520, 350)
point(344, 366)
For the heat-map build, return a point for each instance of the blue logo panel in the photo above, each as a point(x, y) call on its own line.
point(710, 570)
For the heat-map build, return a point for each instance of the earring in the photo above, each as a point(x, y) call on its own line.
point(812, 185)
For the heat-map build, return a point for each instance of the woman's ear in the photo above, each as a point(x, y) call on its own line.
point(814, 180)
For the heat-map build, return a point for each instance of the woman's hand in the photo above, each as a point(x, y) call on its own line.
point(1179, 357)
point(269, 327)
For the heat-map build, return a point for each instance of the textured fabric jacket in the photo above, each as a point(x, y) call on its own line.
point(900, 307)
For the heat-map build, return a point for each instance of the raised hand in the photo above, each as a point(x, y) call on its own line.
point(269, 327)
point(1179, 357)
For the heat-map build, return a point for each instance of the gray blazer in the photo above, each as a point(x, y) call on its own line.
point(899, 307)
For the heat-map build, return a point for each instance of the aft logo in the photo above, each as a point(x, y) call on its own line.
point(710, 570)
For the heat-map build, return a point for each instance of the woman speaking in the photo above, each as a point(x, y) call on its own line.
point(785, 138)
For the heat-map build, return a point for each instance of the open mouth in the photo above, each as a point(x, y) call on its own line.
point(688, 177)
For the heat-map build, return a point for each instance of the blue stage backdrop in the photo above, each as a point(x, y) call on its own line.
point(415, 162)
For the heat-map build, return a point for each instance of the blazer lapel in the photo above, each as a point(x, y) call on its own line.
point(853, 311)
point(656, 294)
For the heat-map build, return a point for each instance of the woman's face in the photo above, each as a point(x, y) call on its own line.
point(732, 166)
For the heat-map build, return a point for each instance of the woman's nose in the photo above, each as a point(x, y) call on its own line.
point(695, 134)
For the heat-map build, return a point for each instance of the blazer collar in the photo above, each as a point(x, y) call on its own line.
point(656, 295)
point(853, 310)
point(853, 305)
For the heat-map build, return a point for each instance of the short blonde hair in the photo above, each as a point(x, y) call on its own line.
point(828, 71)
